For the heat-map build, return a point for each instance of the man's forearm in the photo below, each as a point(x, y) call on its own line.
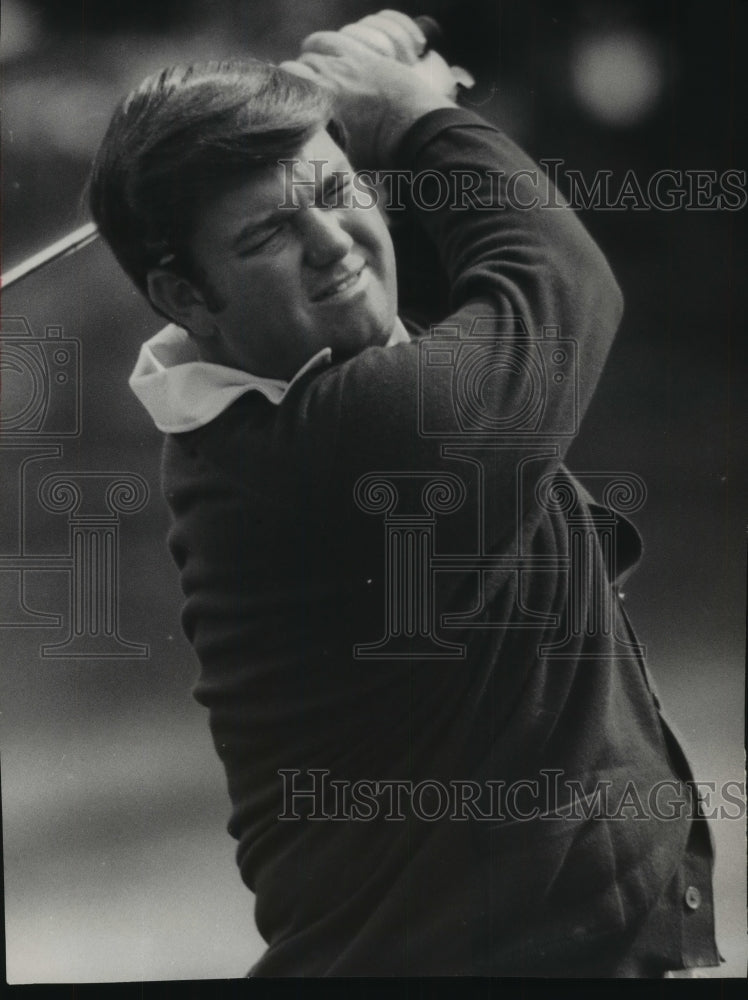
point(510, 243)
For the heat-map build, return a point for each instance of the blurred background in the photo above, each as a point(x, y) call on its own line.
point(117, 862)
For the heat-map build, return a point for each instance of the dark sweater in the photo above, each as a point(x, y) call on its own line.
point(285, 574)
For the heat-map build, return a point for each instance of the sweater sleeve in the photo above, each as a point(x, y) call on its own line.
point(534, 309)
point(504, 233)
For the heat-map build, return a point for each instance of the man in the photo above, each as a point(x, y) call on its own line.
point(308, 419)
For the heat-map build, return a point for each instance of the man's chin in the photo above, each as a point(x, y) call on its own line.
point(376, 335)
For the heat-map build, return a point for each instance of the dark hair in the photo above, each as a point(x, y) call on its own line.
point(179, 139)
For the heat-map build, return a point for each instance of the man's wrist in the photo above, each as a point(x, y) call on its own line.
point(420, 132)
point(395, 126)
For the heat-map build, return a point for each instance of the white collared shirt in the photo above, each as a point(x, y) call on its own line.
point(182, 392)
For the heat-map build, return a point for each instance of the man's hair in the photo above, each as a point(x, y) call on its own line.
point(181, 138)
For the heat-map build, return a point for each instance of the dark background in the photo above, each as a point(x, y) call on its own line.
point(117, 864)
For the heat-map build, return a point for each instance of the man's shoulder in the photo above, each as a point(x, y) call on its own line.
point(252, 449)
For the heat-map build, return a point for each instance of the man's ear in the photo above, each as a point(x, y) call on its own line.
point(174, 296)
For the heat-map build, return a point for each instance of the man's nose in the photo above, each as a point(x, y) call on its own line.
point(325, 240)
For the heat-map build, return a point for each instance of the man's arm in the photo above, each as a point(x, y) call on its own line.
point(513, 258)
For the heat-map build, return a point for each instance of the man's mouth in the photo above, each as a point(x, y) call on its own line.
point(340, 284)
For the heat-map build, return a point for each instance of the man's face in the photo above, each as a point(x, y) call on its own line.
point(291, 280)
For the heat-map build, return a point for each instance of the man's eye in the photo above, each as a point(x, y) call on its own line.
point(262, 242)
point(335, 196)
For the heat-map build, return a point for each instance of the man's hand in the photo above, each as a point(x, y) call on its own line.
point(380, 81)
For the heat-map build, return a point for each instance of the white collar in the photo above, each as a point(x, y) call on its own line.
point(181, 392)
